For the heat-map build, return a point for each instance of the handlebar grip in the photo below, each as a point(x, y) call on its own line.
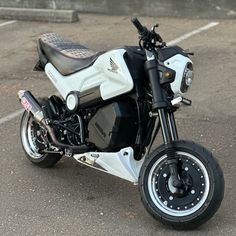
point(138, 25)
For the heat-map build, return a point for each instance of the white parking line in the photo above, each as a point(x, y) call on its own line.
point(11, 116)
point(7, 23)
point(175, 41)
point(190, 34)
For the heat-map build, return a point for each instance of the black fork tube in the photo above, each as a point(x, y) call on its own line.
point(169, 134)
point(164, 126)
point(168, 126)
point(172, 126)
point(154, 78)
point(159, 102)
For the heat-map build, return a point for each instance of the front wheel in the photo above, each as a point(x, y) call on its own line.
point(201, 192)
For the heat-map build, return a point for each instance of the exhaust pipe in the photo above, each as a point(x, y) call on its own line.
point(31, 105)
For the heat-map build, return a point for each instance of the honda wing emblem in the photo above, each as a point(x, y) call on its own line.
point(114, 66)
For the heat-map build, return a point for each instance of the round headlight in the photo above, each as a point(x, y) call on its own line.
point(187, 77)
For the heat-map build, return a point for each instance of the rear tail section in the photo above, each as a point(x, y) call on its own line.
point(42, 59)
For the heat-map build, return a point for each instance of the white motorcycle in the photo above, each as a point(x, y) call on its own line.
point(111, 107)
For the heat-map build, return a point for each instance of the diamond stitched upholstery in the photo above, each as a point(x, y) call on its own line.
point(68, 57)
point(66, 47)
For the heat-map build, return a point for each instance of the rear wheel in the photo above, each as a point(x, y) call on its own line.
point(33, 137)
point(200, 194)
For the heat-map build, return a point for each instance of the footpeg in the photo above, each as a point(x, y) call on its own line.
point(177, 101)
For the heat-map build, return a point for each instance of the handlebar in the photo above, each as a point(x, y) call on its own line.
point(148, 38)
point(141, 29)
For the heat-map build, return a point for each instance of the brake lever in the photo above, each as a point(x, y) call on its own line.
point(154, 27)
point(157, 36)
point(149, 38)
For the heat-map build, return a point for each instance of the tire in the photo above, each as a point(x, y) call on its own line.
point(202, 196)
point(28, 127)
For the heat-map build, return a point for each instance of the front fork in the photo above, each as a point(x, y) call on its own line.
point(170, 134)
point(166, 117)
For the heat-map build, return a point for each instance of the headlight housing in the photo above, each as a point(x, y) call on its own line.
point(187, 77)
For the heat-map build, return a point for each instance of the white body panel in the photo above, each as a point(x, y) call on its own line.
point(121, 164)
point(177, 63)
point(112, 82)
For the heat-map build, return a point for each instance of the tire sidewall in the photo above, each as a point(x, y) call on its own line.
point(47, 160)
point(208, 207)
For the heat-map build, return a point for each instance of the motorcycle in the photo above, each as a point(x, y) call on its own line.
point(110, 108)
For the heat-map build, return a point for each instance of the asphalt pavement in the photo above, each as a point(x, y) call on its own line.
point(71, 199)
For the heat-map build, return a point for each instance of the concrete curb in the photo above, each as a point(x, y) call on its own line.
point(225, 9)
point(47, 15)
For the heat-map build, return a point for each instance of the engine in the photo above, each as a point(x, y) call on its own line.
point(114, 126)
point(109, 128)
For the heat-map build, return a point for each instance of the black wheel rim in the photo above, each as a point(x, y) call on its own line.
point(194, 191)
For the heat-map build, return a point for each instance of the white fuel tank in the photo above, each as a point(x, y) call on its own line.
point(109, 72)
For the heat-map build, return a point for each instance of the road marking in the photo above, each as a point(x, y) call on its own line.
point(190, 34)
point(175, 41)
point(11, 116)
point(7, 23)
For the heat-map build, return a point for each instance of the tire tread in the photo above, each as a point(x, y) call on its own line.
point(214, 203)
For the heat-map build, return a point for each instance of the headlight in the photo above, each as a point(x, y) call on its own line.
point(187, 77)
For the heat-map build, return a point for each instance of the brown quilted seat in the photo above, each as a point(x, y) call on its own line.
point(68, 57)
